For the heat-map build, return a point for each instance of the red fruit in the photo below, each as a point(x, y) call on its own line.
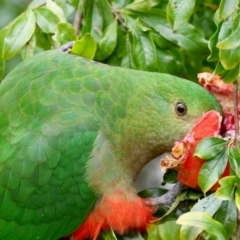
point(224, 94)
point(187, 165)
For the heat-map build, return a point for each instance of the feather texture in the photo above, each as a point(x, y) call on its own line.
point(118, 212)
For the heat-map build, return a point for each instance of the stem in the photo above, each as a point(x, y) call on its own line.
point(117, 15)
point(237, 231)
point(168, 198)
point(77, 19)
point(38, 6)
point(236, 121)
point(235, 106)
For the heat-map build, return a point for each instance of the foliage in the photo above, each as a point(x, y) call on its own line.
point(133, 34)
point(179, 37)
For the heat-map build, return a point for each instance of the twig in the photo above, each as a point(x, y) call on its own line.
point(38, 6)
point(236, 121)
point(117, 15)
point(235, 106)
point(77, 19)
point(67, 47)
point(168, 198)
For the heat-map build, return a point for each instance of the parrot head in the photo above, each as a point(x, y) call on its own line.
point(160, 109)
point(152, 112)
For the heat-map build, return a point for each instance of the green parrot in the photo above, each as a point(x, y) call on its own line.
point(74, 135)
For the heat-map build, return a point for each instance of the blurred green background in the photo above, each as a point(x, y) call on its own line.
point(10, 9)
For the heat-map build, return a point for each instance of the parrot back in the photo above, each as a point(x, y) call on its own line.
point(47, 134)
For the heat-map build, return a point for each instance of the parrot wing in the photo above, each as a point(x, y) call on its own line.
point(47, 135)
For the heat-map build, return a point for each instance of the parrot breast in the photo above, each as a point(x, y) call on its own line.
point(118, 212)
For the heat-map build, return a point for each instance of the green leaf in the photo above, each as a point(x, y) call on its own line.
point(119, 4)
point(65, 33)
point(219, 69)
point(29, 48)
point(106, 12)
point(226, 8)
point(36, 3)
point(110, 235)
point(216, 17)
point(205, 221)
point(166, 59)
point(170, 176)
point(42, 39)
point(20, 32)
point(166, 230)
point(202, 19)
point(144, 51)
point(85, 47)
point(46, 20)
point(127, 58)
point(232, 41)
point(226, 190)
point(142, 5)
point(3, 33)
point(237, 197)
point(179, 12)
point(214, 56)
point(209, 147)
point(108, 41)
point(227, 215)
point(225, 29)
point(93, 19)
point(117, 56)
point(66, 6)
point(173, 207)
point(194, 195)
point(189, 38)
point(145, 57)
point(230, 76)
point(234, 156)
point(161, 42)
point(209, 204)
point(141, 26)
point(56, 9)
point(212, 170)
point(230, 58)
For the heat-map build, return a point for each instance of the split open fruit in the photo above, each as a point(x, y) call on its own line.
point(212, 124)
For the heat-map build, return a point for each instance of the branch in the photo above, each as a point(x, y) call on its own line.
point(77, 19)
point(67, 47)
point(235, 107)
point(117, 15)
point(236, 121)
point(168, 198)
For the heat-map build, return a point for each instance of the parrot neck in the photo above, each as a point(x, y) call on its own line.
point(118, 206)
point(109, 170)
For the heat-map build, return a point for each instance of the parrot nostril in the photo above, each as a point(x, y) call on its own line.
point(180, 108)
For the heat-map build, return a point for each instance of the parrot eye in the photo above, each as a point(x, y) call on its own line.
point(180, 108)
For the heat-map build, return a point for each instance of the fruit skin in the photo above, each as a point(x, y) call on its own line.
point(73, 136)
point(208, 126)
